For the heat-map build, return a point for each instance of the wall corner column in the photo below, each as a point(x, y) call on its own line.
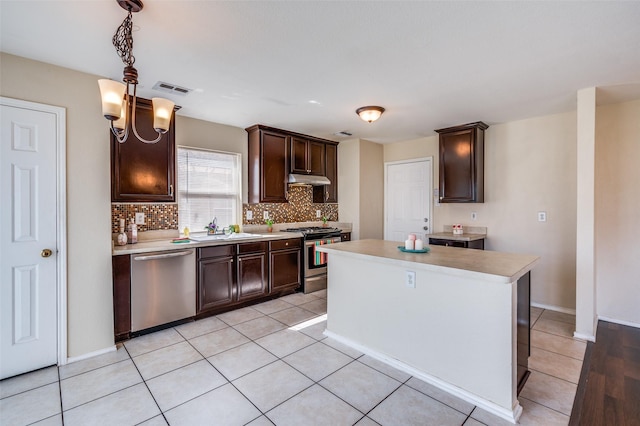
point(586, 314)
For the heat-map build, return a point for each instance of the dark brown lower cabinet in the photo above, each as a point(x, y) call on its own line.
point(252, 270)
point(216, 277)
point(284, 262)
point(345, 236)
point(523, 329)
point(235, 275)
point(228, 277)
point(475, 244)
point(121, 266)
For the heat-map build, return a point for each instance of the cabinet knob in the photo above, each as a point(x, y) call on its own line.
point(426, 228)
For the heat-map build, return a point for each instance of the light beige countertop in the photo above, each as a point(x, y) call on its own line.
point(471, 233)
point(452, 237)
point(166, 244)
point(152, 241)
point(484, 265)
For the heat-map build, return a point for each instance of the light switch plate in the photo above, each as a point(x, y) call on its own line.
point(542, 216)
point(318, 213)
point(249, 215)
point(265, 215)
point(139, 218)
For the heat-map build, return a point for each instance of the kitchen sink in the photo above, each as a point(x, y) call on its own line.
point(219, 237)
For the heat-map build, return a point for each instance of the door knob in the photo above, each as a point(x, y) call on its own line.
point(46, 253)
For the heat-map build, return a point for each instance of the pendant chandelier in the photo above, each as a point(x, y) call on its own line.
point(119, 100)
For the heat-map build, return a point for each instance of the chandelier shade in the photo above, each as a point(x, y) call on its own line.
point(112, 94)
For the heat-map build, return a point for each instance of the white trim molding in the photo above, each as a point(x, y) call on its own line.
point(91, 354)
point(618, 321)
point(554, 308)
point(511, 416)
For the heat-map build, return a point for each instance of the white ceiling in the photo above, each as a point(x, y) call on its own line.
point(307, 65)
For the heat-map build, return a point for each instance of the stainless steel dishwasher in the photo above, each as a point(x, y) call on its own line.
point(163, 288)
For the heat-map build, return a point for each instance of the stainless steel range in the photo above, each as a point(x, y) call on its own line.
point(314, 275)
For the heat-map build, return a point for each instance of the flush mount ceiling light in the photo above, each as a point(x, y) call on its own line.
point(118, 101)
point(370, 113)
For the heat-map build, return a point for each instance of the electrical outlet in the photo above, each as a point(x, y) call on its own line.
point(410, 279)
point(318, 213)
point(139, 218)
point(542, 216)
point(474, 216)
point(265, 215)
point(249, 215)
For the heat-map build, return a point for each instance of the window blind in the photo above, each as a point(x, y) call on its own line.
point(208, 187)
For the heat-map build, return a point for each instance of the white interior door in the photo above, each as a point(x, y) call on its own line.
point(408, 188)
point(28, 227)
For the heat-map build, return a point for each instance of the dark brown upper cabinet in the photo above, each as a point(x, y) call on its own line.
point(144, 172)
point(268, 165)
point(462, 163)
point(274, 153)
point(307, 156)
point(328, 193)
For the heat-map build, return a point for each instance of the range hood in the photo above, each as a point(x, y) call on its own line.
point(296, 179)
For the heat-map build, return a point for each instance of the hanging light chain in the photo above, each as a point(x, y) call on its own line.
point(123, 40)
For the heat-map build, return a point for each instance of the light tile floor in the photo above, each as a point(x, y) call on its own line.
point(250, 367)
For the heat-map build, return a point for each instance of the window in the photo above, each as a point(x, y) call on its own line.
point(208, 187)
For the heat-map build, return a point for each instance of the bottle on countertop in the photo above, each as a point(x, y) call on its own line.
point(132, 233)
point(122, 236)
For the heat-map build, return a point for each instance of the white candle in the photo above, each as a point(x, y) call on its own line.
point(419, 244)
point(408, 245)
point(412, 237)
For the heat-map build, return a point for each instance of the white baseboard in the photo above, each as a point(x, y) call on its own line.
point(621, 322)
point(510, 415)
point(581, 336)
point(91, 354)
point(554, 308)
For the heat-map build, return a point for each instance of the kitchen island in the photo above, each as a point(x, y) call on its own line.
point(448, 317)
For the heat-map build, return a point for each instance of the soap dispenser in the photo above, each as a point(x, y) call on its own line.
point(132, 233)
point(122, 237)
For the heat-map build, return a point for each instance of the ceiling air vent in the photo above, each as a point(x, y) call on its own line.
point(343, 134)
point(171, 88)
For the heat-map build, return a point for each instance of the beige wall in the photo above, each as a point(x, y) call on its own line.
point(617, 201)
point(529, 167)
point(360, 187)
point(371, 190)
point(89, 288)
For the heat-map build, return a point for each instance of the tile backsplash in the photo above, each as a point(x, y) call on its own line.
point(158, 216)
point(164, 216)
point(300, 208)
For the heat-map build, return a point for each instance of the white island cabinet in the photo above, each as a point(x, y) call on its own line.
point(448, 317)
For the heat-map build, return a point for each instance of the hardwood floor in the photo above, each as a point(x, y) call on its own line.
point(609, 388)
